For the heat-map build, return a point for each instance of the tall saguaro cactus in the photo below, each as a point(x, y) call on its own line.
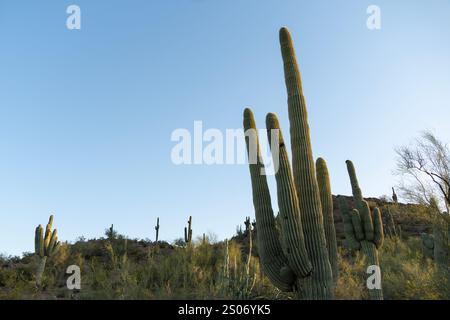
point(364, 230)
point(45, 247)
point(326, 198)
point(296, 258)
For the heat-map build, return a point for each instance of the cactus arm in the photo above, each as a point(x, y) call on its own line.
point(357, 225)
point(48, 231)
point(51, 245)
point(366, 218)
point(356, 190)
point(323, 180)
point(39, 241)
point(319, 285)
point(361, 204)
point(349, 230)
point(56, 248)
point(378, 228)
point(291, 226)
point(269, 246)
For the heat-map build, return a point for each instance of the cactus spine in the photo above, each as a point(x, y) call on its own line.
point(298, 260)
point(188, 231)
point(366, 228)
point(157, 229)
point(45, 247)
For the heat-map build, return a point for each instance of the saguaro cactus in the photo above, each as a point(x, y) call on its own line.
point(391, 229)
point(247, 225)
point(366, 229)
point(188, 231)
point(45, 247)
point(296, 258)
point(394, 196)
point(157, 229)
point(111, 233)
point(326, 198)
point(428, 245)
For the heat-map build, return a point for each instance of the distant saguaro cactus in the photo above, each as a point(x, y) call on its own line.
point(428, 245)
point(157, 229)
point(363, 228)
point(247, 225)
point(296, 258)
point(45, 246)
point(188, 231)
point(394, 196)
point(391, 229)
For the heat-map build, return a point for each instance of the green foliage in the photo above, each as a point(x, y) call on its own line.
point(134, 269)
point(407, 274)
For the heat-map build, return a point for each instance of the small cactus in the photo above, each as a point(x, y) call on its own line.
point(391, 229)
point(188, 232)
point(157, 229)
point(45, 247)
point(247, 225)
point(394, 196)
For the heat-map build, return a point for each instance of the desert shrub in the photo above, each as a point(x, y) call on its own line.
point(350, 284)
point(407, 274)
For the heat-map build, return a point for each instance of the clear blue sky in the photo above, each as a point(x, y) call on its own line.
point(86, 116)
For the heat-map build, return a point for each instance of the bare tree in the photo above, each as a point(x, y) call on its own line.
point(425, 170)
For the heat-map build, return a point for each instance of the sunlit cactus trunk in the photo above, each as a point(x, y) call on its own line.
point(297, 259)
